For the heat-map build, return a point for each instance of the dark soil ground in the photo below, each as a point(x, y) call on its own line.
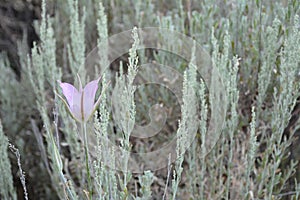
point(16, 24)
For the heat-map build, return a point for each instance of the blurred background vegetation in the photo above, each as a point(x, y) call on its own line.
point(256, 31)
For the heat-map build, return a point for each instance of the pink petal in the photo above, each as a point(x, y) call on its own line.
point(73, 98)
point(89, 93)
point(76, 111)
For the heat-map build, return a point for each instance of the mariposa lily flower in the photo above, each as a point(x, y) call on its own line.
point(81, 103)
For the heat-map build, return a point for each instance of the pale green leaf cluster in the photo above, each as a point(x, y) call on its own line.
point(7, 190)
point(254, 46)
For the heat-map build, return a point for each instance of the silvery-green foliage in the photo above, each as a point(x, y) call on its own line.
point(76, 48)
point(44, 58)
point(146, 180)
point(285, 97)
point(196, 158)
point(125, 91)
point(203, 132)
point(182, 137)
point(22, 173)
point(271, 45)
point(18, 107)
point(229, 71)
point(252, 150)
point(104, 165)
point(48, 46)
point(102, 36)
point(125, 107)
point(187, 125)
point(7, 190)
point(233, 96)
point(253, 53)
point(12, 94)
point(200, 23)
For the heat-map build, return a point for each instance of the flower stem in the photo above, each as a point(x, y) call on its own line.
point(69, 190)
point(90, 187)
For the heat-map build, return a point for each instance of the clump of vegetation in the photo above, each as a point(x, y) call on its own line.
point(205, 106)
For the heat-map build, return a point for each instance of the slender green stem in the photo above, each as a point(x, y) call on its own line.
point(70, 193)
point(90, 187)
